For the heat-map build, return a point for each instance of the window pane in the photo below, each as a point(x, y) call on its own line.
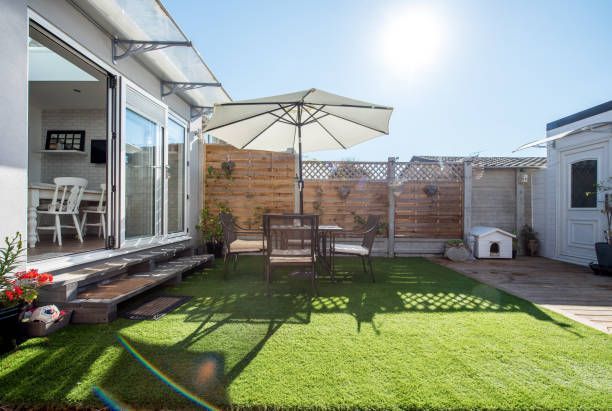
point(141, 146)
point(584, 184)
point(176, 177)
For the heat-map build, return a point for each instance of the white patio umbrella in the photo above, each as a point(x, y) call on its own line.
point(309, 120)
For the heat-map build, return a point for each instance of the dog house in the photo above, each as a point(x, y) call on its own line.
point(491, 242)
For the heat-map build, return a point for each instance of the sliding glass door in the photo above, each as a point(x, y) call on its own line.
point(142, 182)
point(175, 177)
point(154, 171)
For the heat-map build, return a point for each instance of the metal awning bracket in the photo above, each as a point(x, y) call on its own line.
point(171, 87)
point(133, 47)
point(198, 111)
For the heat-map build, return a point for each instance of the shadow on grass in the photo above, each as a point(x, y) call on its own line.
point(403, 285)
point(53, 371)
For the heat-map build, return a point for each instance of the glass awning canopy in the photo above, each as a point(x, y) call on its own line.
point(180, 66)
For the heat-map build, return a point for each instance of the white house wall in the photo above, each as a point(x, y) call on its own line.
point(547, 183)
point(14, 98)
point(544, 216)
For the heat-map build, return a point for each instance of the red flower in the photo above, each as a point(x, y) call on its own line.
point(18, 291)
point(10, 295)
point(45, 278)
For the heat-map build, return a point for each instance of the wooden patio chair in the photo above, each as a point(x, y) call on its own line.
point(364, 251)
point(234, 246)
point(291, 240)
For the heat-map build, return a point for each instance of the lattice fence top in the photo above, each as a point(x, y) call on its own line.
point(414, 171)
point(382, 171)
point(344, 170)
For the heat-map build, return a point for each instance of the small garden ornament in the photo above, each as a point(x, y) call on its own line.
point(455, 250)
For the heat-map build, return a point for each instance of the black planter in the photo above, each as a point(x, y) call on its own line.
point(215, 248)
point(604, 259)
point(9, 328)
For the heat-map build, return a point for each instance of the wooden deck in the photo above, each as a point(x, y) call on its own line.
point(567, 289)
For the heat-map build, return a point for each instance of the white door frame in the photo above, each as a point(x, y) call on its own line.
point(564, 194)
point(116, 222)
point(172, 115)
point(159, 230)
point(112, 202)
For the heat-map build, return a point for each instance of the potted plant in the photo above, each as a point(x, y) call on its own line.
point(17, 290)
point(212, 232)
point(530, 240)
point(603, 249)
point(228, 168)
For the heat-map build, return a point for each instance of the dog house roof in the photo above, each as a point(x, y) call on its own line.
point(479, 231)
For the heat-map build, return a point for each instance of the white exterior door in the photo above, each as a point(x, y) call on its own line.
point(581, 223)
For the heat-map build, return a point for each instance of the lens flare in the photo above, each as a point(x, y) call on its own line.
point(164, 378)
point(108, 400)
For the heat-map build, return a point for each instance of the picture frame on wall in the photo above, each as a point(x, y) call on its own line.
point(65, 140)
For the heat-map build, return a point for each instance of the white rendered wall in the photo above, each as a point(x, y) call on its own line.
point(14, 133)
point(547, 183)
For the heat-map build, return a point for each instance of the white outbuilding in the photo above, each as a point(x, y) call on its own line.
point(490, 242)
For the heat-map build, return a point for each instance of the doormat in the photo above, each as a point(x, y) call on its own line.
point(156, 308)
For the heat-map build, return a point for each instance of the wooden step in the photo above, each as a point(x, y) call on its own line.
point(98, 303)
point(66, 285)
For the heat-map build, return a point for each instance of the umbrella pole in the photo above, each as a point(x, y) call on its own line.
point(300, 180)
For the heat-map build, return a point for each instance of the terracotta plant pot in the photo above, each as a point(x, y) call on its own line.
point(533, 246)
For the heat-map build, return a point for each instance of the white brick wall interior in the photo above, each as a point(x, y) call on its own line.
point(74, 165)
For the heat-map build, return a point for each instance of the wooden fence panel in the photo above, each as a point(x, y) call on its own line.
point(346, 203)
point(418, 214)
point(342, 193)
point(260, 182)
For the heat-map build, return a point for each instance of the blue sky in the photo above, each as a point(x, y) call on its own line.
point(477, 77)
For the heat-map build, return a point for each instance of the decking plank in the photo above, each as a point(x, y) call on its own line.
point(567, 289)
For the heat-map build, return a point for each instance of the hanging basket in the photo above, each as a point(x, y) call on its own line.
point(344, 192)
point(431, 190)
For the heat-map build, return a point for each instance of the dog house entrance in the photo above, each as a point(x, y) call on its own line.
point(494, 249)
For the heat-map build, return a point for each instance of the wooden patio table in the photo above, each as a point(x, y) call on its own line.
point(325, 248)
point(328, 234)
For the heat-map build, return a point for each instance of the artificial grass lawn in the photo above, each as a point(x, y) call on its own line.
point(423, 336)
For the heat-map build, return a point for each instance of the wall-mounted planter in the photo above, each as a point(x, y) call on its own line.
point(344, 192)
point(431, 190)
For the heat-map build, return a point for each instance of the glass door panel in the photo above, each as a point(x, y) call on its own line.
point(175, 177)
point(142, 151)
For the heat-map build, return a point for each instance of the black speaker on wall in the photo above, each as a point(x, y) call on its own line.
point(98, 151)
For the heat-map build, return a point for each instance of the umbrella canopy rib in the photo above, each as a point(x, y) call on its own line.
point(315, 119)
point(353, 121)
point(244, 119)
point(295, 121)
point(330, 134)
point(281, 119)
point(261, 132)
point(311, 114)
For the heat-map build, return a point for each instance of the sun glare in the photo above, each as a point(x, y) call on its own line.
point(412, 40)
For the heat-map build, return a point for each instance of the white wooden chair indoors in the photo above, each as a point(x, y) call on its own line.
point(66, 201)
point(99, 210)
